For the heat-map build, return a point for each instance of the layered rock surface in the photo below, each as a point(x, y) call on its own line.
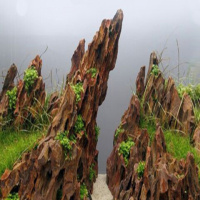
point(49, 172)
point(163, 177)
point(28, 103)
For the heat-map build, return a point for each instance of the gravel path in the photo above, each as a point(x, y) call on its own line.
point(101, 191)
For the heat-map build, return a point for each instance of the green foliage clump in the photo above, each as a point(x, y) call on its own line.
point(148, 122)
point(179, 146)
point(83, 191)
point(12, 98)
point(65, 141)
point(118, 131)
point(93, 71)
point(124, 149)
point(140, 168)
point(78, 88)
point(97, 132)
point(197, 114)
point(30, 76)
point(184, 89)
point(13, 196)
point(92, 172)
point(79, 125)
point(155, 70)
point(192, 90)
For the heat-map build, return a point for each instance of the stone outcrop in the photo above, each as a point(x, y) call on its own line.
point(161, 100)
point(8, 85)
point(28, 103)
point(163, 177)
point(51, 172)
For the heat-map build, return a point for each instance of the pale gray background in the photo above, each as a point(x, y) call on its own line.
point(27, 27)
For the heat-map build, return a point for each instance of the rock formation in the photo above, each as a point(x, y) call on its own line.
point(140, 169)
point(161, 100)
point(24, 103)
point(64, 165)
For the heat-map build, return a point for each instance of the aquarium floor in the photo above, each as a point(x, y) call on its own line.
point(101, 190)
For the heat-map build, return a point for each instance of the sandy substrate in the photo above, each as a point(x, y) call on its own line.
point(101, 191)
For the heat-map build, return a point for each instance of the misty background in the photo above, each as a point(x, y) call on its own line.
point(28, 27)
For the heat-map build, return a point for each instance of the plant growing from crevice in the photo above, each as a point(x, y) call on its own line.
point(78, 88)
point(12, 98)
point(155, 70)
point(12, 196)
point(66, 141)
point(30, 76)
point(92, 71)
point(124, 149)
point(97, 132)
point(92, 173)
point(118, 131)
point(79, 125)
point(196, 114)
point(140, 169)
point(83, 191)
point(192, 90)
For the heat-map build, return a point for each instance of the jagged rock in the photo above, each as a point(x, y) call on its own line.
point(9, 80)
point(28, 104)
point(44, 172)
point(196, 138)
point(161, 100)
point(8, 85)
point(129, 122)
point(164, 177)
point(53, 104)
point(140, 87)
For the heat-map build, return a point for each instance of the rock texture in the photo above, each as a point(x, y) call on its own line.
point(161, 100)
point(28, 104)
point(46, 172)
point(8, 85)
point(164, 177)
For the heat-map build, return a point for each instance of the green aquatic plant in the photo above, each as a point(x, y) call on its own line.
point(30, 76)
point(197, 114)
point(93, 71)
point(13, 196)
point(83, 191)
point(118, 131)
point(97, 132)
point(66, 141)
point(155, 70)
point(12, 98)
point(92, 172)
point(78, 88)
point(140, 168)
point(79, 125)
point(192, 90)
point(124, 149)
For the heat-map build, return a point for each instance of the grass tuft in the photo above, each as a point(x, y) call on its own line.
point(13, 144)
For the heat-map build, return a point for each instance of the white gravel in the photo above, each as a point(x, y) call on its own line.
point(101, 191)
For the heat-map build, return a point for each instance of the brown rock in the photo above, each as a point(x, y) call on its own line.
point(46, 169)
point(140, 87)
point(28, 104)
point(196, 138)
point(8, 85)
point(53, 104)
point(164, 177)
